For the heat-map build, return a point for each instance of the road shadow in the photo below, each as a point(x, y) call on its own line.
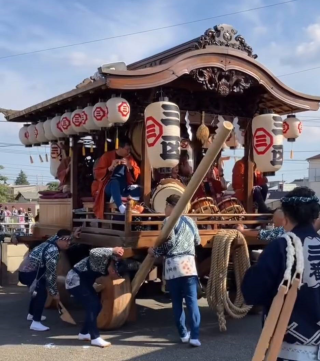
point(154, 328)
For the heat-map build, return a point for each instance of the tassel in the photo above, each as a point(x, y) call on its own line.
point(41, 160)
point(203, 132)
point(83, 151)
point(31, 159)
point(91, 148)
point(117, 138)
point(47, 159)
point(291, 154)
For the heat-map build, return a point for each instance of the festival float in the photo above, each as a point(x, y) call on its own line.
point(198, 97)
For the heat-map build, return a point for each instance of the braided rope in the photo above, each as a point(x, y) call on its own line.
point(217, 294)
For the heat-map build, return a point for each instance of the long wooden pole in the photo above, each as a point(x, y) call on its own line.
point(212, 152)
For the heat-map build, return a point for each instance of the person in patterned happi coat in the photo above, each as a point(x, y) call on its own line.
point(40, 269)
point(261, 281)
point(181, 272)
point(79, 282)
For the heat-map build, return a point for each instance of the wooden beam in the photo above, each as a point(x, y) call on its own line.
point(74, 173)
point(145, 171)
point(249, 169)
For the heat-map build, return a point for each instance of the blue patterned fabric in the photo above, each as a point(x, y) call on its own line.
point(270, 234)
point(261, 283)
point(51, 258)
point(182, 239)
point(297, 200)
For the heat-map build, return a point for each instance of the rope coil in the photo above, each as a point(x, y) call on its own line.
point(217, 294)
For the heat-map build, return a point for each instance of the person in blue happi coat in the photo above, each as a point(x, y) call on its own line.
point(261, 282)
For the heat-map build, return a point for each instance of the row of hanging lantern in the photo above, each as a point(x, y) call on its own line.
point(103, 115)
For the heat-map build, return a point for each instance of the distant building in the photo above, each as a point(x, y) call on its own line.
point(26, 197)
point(314, 173)
point(16, 189)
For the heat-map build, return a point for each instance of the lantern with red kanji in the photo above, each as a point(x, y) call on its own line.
point(292, 128)
point(55, 158)
point(40, 134)
point(24, 135)
point(56, 128)
point(76, 121)
point(100, 114)
point(118, 113)
point(87, 119)
point(118, 110)
point(162, 124)
point(267, 133)
point(66, 125)
point(32, 134)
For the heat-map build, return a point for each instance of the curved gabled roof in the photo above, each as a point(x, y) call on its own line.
point(226, 62)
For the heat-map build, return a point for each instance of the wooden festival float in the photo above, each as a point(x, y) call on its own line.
point(164, 104)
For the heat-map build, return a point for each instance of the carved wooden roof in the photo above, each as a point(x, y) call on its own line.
point(219, 62)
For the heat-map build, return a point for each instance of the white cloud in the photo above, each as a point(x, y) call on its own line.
point(308, 51)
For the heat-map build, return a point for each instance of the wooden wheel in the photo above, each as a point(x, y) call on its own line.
point(62, 269)
point(115, 301)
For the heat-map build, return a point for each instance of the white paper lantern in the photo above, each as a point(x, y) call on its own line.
point(56, 127)
point(267, 132)
point(47, 130)
point(55, 158)
point(76, 121)
point(292, 128)
point(32, 134)
point(100, 115)
point(24, 136)
point(40, 134)
point(66, 124)
point(162, 122)
point(87, 119)
point(119, 110)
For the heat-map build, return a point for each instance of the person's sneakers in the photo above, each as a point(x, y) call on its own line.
point(186, 338)
point(30, 318)
point(195, 343)
point(38, 326)
point(100, 342)
point(83, 337)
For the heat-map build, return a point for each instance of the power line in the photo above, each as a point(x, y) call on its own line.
point(148, 31)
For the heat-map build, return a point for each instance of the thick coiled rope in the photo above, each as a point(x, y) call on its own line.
point(217, 294)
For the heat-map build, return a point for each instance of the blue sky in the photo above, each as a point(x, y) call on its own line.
point(286, 39)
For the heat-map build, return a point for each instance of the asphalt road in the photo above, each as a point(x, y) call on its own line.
point(152, 337)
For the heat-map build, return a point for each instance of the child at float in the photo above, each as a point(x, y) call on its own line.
point(261, 282)
point(79, 282)
point(115, 176)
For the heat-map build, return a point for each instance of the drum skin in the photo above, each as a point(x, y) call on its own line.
point(115, 302)
point(164, 189)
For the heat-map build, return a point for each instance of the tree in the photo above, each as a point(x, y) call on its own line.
point(21, 179)
point(53, 186)
point(5, 195)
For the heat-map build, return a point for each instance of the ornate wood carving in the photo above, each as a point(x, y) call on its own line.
point(225, 35)
point(223, 82)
